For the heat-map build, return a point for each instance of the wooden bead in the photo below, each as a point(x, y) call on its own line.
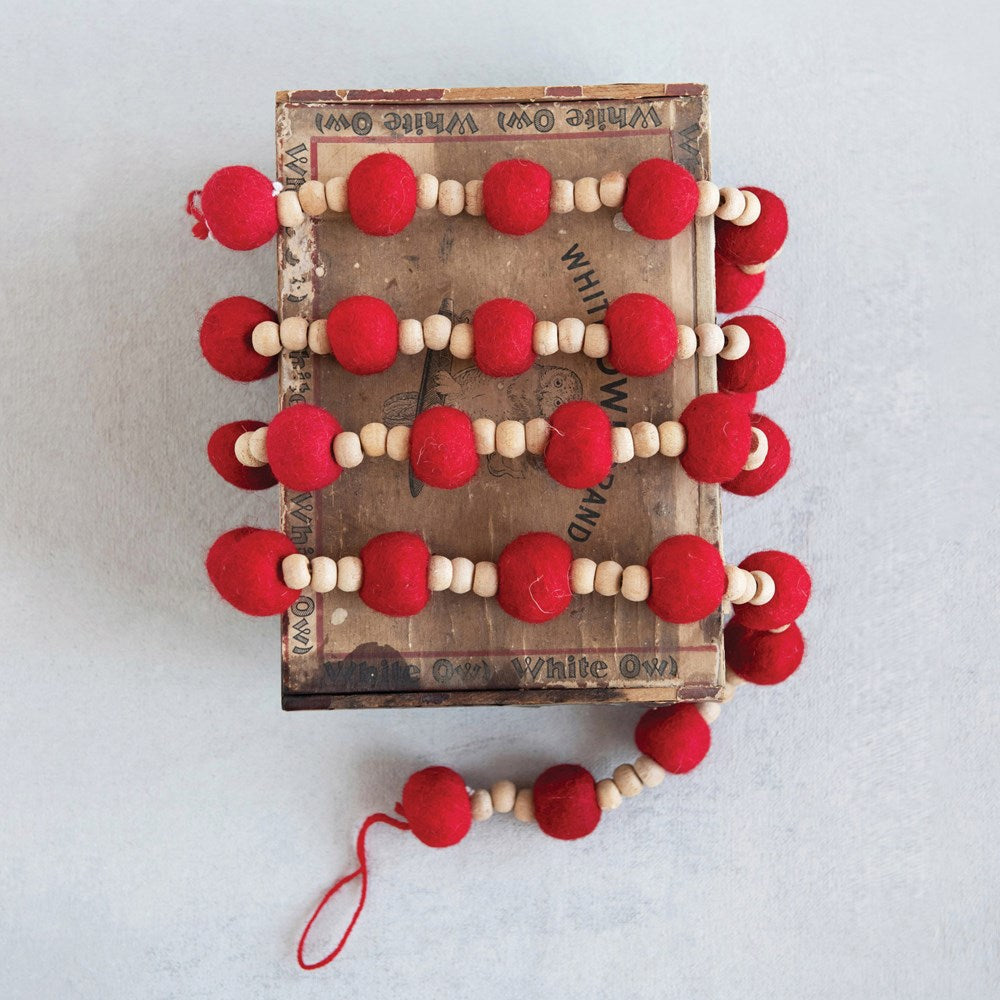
point(608, 578)
point(295, 571)
point(502, 794)
point(754, 268)
point(484, 431)
point(397, 443)
point(778, 631)
point(645, 439)
point(536, 435)
point(336, 194)
point(731, 204)
point(266, 339)
point(622, 446)
point(635, 583)
point(608, 796)
point(650, 773)
point(462, 571)
point(347, 450)
point(764, 589)
point(545, 338)
point(481, 805)
point(411, 336)
point(258, 444)
point(427, 191)
point(561, 198)
point(758, 450)
point(596, 342)
point(373, 439)
point(737, 342)
point(510, 438)
point(319, 341)
point(673, 438)
point(687, 342)
point(451, 198)
point(628, 782)
point(586, 195)
point(737, 584)
point(709, 710)
point(290, 212)
point(439, 573)
point(484, 579)
point(312, 198)
point(524, 805)
point(751, 213)
point(462, 344)
point(571, 334)
point(708, 199)
point(582, 574)
point(612, 189)
point(294, 333)
point(711, 339)
point(474, 197)
point(323, 570)
point(437, 332)
point(349, 574)
point(243, 453)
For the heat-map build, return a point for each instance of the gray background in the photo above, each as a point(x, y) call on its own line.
point(165, 828)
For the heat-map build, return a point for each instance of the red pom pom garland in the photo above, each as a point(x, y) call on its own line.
point(734, 288)
point(763, 657)
point(761, 364)
point(783, 591)
point(394, 571)
point(226, 338)
point(756, 479)
point(299, 442)
point(362, 333)
point(382, 194)
point(687, 579)
point(564, 798)
point(661, 198)
point(677, 737)
point(246, 472)
point(503, 332)
point(246, 567)
point(236, 207)
point(516, 196)
point(533, 577)
point(578, 453)
point(443, 448)
point(755, 244)
point(718, 434)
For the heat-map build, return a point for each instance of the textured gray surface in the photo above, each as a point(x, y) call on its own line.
point(166, 828)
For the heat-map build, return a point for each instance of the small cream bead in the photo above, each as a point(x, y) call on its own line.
point(596, 341)
point(687, 342)
point(243, 452)
point(608, 796)
point(502, 794)
point(709, 710)
point(312, 198)
point(411, 336)
point(324, 574)
point(635, 583)
point(622, 446)
point(536, 435)
point(266, 339)
point(462, 342)
point(673, 438)
point(561, 198)
point(612, 189)
point(765, 587)
point(319, 341)
point(524, 805)
point(427, 191)
point(347, 450)
point(349, 574)
point(582, 573)
point(373, 438)
point(758, 450)
point(258, 444)
point(484, 579)
point(439, 573)
point(336, 194)
point(628, 782)
point(586, 195)
point(737, 342)
point(481, 805)
point(731, 204)
point(462, 571)
point(571, 334)
point(474, 197)
point(294, 333)
point(397, 443)
point(645, 439)
point(290, 212)
point(484, 431)
point(751, 213)
point(545, 338)
point(755, 268)
point(510, 438)
point(711, 339)
point(778, 631)
point(295, 571)
point(437, 332)
point(451, 198)
point(608, 578)
point(736, 583)
point(708, 199)
point(650, 773)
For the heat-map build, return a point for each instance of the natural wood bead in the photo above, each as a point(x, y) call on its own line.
point(373, 438)
point(462, 344)
point(481, 805)
point(635, 583)
point(437, 332)
point(427, 191)
point(581, 576)
point(754, 268)
point(524, 805)
point(751, 212)
point(290, 212)
point(778, 631)
point(622, 446)
point(645, 439)
point(561, 198)
point(708, 199)
point(612, 189)
point(258, 444)
point(711, 339)
point(484, 579)
point(608, 796)
point(510, 438)
point(596, 342)
point(244, 455)
point(451, 198)
point(312, 198)
point(764, 590)
point(545, 338)
point(462, 571)
point(484, 431)
point(502, 794)
point(650, 773)
point(336, 194)
point(439, 573)
point(758, 450)
point(295, 571)
point(294, 333)
point(319, 341)
point(349, 574)
point(323, 570)
point(628, 782)
point(347, 450)
point(731, 204)
point(397, 443)
point(474, 197)
point(571, 334)
point(411, 336)
point(266, 339)
point(536, 435)
point(687, 342)
point(737, 584)
point(608, 578)
point(586, 195)
point(673, 438)
point(737, 342)
point(709, 710)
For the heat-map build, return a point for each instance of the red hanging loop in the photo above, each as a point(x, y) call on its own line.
point(362, 870)
point(200, 229)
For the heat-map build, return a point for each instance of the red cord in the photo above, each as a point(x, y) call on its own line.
point(200, 229)
point(362, 870)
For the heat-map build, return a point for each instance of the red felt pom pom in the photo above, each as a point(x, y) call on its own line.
point(363, 334)
point(756, 243)
point(394, 573)
point(565, 801)
point(436, 805)
point(752, 483)
point(443, 448)
point(643, 334)
point(516, 196)
point(792, 586)
point(578, 454)
point(687, 579)
point(533, 577)
point(734, 290)
point(222, 455)
point(382, 194)
point(748, 400)
point(762, 364)
point(245, 566)
point(300, 447)
point(718, 437)
point(239, 208)
point(227, 338)
point(502, 337)
point(660, 199)
point(763, 657)
point(675, 736)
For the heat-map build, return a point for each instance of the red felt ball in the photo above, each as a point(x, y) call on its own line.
point(239, 208)
point(437, 807)
point(734, 290)
point(533, 577)
point(758, 242)
point(677, 737)
point(394, 573)
point(752, 483)
point(578, 454)
point(226, 339)
point(222, 455)
point(364, 334)
point(687, 579)
point(643, 334)
point(762, 364)
point(565, 802)
point(245, 567)
point(763, 657)
point(718, 437)
point(748, 400)
point(660, 198)
point(792, 586)
point(443, 448)
point(502, 337)
point(516, 196)
point(382, 194)
point(300, 447)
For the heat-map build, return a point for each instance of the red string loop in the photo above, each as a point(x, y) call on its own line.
point(362, 870)
point(200, 229)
